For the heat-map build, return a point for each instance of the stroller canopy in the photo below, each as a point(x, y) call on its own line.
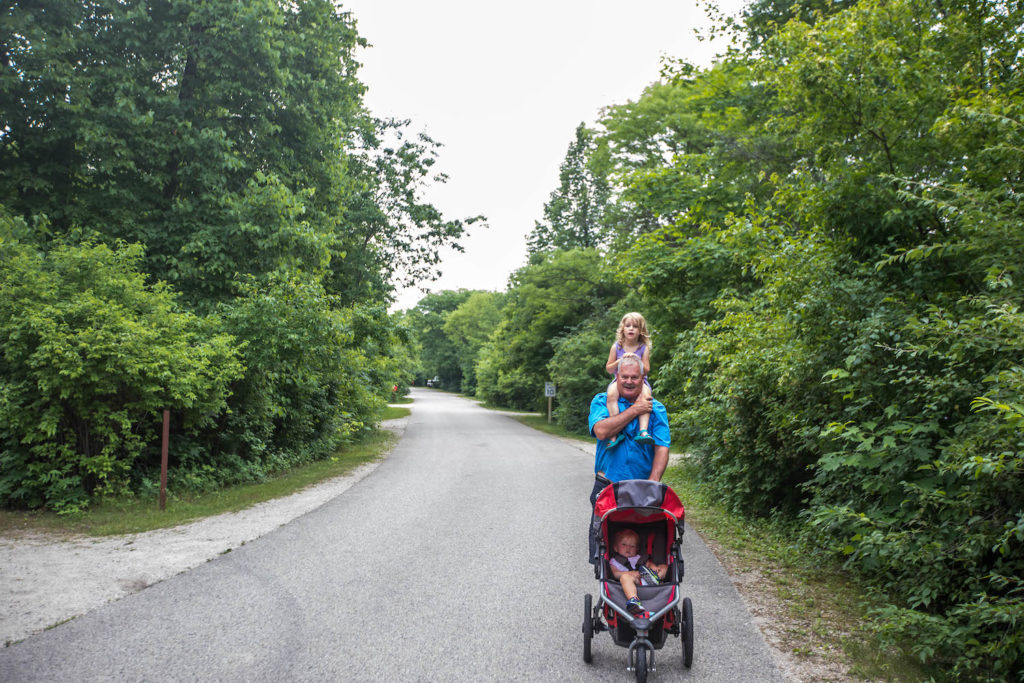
point(638, 493)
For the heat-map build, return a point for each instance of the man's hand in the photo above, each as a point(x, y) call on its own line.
point(610, 426)
point(642, 406)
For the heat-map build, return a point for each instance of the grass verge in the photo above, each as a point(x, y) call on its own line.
point(132, 515)
point(541, 423)
point(810, 608)
point(394, 412)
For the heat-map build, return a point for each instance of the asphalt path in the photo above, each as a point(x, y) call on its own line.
point(461, 558)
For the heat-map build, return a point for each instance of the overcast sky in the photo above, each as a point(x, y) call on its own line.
point(503, 86)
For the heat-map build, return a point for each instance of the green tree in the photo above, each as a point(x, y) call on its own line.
point(391, 235)
point(229, 142)
point(469, 327)
point(173, 124)
point(574, 215)
point(440, 354)
point(546, 300)
point(843, 379)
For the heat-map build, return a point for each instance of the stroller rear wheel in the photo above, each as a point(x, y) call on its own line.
point(687, 632)
point(588, 627)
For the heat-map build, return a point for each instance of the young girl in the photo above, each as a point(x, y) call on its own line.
point(632, 338)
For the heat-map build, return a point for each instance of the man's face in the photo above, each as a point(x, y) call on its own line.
point(630, 380)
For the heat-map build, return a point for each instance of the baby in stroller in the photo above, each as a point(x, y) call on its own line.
point(631, 568)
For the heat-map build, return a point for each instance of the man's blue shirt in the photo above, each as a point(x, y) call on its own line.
point(628, 460)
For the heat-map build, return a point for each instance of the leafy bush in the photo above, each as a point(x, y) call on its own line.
point(309, 385)
point(91, 355)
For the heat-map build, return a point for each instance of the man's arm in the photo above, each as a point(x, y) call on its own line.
point(660, 463)
point(610, 426)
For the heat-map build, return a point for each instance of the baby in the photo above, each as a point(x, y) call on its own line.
point(632, 568)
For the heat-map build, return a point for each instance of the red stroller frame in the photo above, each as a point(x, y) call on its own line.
point(654, 512)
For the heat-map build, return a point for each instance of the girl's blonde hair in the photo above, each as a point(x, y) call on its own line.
point(644, 337)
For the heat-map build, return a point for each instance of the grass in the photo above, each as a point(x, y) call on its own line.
point(132, 515)
point(541, 423)
point(821, 610)
point(394, 412)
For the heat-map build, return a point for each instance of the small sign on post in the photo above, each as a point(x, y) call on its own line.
point(549, 391)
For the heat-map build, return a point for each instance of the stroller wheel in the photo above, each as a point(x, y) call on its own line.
point(687, 632)
point(641, 664)
point(588, 627)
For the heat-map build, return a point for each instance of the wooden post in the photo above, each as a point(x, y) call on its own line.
point(163, 460)
point(549, 410)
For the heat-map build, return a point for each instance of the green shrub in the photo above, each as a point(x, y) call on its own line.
point(308, 384)
point(91, 355)
point(577, 367)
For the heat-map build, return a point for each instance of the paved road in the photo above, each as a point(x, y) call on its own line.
point(461, 558)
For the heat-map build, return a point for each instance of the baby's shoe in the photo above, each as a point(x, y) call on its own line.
point(648, 575)
point(644, 437)
point(634, 606)
point(615, 440)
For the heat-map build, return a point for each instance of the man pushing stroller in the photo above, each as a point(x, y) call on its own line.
point(630, 459)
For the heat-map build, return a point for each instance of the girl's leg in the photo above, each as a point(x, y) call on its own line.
point(644, 420)
point(613, 410)
point(613, 399)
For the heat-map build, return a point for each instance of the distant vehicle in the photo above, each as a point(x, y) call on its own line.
point(436, 382)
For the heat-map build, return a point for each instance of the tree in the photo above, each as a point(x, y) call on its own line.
point(174, 124)
point(391, 236)
point(546, 300)
point(469, 327)
point(575, 212)
point(440, 355)
point(227, 142)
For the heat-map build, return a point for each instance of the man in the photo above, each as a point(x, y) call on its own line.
point(629, 459)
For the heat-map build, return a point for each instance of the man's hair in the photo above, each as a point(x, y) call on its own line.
point(631, 360)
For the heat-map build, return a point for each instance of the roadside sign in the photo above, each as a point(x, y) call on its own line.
point(549, 389)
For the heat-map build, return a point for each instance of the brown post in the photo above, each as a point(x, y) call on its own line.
point(549, 410)
point(163, 460)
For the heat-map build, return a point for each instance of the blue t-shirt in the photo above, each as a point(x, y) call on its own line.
point(628, 460)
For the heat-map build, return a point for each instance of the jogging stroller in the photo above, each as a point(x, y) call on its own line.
point(654, 512)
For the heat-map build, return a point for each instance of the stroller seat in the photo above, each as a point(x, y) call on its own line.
point(653, 542)
point(654, 598)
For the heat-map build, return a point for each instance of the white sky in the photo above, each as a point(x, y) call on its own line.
point(503, 86)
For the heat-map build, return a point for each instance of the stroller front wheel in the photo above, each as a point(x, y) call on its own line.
point(641, 665)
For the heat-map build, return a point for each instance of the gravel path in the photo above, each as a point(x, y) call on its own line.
point(44, 581)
